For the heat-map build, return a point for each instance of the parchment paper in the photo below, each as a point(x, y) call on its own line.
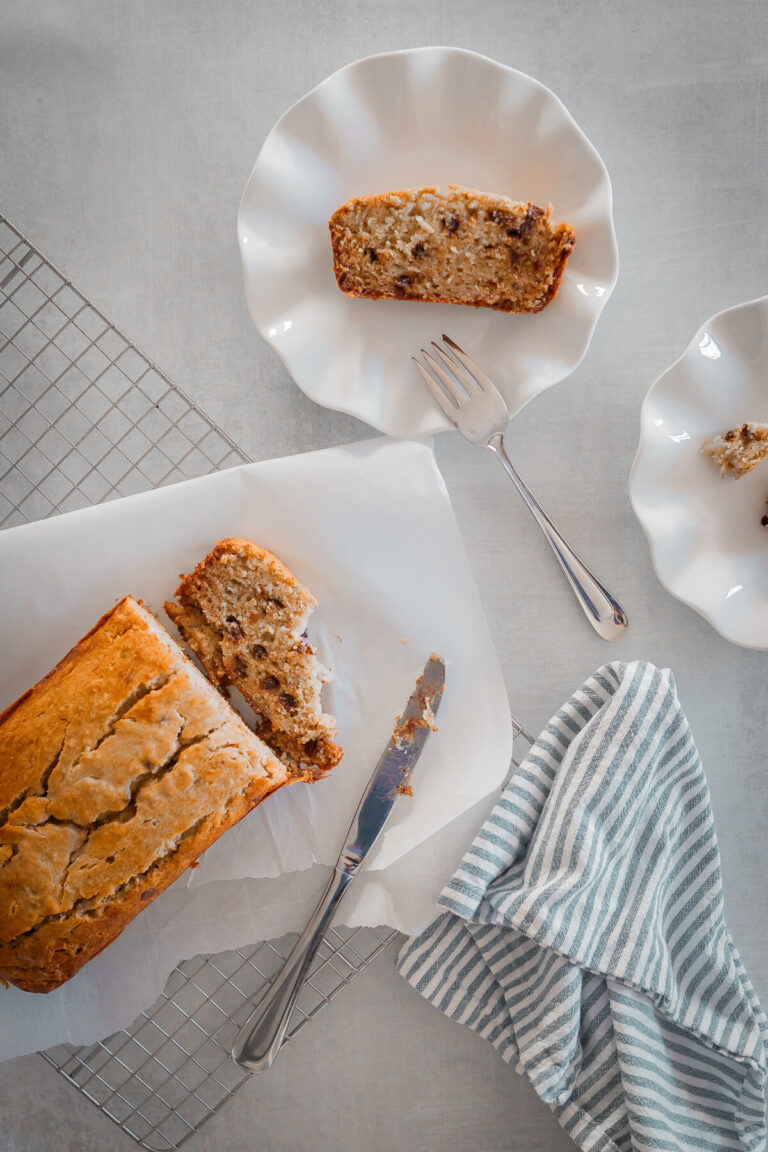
point(370, 530)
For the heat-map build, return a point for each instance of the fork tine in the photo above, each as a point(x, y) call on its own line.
point(484, 381)
point(448, 406)
point(445, 378)
point(468, 382)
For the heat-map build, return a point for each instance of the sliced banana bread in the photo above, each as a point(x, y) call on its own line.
point(454, 247)
point(117, 770)
point(244, 614)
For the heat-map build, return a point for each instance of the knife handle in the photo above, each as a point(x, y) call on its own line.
point(260, 1038)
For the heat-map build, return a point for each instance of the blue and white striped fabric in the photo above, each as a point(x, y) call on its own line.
point(585, 937)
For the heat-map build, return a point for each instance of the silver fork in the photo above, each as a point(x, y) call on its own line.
point(475, 406)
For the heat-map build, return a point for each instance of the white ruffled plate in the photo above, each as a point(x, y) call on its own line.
point(707, 544)
point(406, 119)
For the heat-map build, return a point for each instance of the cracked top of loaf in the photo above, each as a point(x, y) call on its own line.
point(116, 771)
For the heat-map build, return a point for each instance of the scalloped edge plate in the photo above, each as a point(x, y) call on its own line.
point(407, 119)
point(708, 547)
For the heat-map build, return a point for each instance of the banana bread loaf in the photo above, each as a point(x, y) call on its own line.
point(244, 615)
point(116, 771)
point(454, 247)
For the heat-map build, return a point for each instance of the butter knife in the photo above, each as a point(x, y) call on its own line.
point(260, 1038)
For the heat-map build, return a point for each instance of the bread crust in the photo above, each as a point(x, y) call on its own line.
point(117, 770)
point(238, 546)
point(48, 958)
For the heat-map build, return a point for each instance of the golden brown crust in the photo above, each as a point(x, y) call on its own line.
point(65, 661)
point(117, 770)
point(48, 957)
point(402, 245)
point(237, 547)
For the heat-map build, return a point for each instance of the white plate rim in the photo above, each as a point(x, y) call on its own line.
point(441, 424)
point(642, 449)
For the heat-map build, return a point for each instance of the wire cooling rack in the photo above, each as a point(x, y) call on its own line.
point(163, 1077)
point(85, 417)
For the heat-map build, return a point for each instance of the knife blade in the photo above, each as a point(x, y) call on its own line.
point(391, 775)
point(260, 1038)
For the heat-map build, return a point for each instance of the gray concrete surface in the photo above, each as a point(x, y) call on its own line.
point(127, 131)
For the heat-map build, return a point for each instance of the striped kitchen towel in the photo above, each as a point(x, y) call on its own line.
point(585, 936)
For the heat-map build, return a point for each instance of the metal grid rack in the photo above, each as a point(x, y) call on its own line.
point(85, 417)
point(163, 1077)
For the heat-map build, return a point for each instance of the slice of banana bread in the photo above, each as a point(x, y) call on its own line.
point(454, 247)
point(244, 615)
point(739, 450)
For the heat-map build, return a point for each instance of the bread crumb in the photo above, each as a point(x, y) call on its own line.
point(739, 450)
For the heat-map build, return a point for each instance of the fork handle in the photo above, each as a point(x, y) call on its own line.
point(603, 610)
